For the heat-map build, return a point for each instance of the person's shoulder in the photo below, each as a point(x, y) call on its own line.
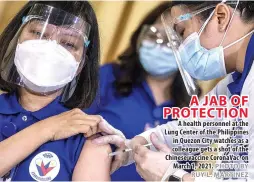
point(7, 99)
point(109, 71)
point(109, 67)
point(108, 75)
point(5, 95)
point(106, 90)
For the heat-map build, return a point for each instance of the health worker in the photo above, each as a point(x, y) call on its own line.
point(217, 41)
point(49, 58)
point(146, 79)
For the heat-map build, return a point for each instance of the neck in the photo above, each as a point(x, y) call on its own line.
point(32, 102)
point(238, 53)
point(242, 54)
point(159, 88)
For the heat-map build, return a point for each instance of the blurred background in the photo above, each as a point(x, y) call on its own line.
point(117, 21)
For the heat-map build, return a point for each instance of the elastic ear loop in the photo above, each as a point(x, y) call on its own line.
point(241, 37)
point(239, 40)
point(229, 24)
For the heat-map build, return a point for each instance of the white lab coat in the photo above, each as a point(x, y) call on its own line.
point(220, 89)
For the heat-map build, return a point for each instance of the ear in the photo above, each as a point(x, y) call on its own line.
point(223, 15)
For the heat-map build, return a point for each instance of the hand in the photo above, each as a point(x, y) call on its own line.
point(116, 137)
point(71, 123)
point(110, 134)
point(151, 165)
point(106, 129)
point(126, 158)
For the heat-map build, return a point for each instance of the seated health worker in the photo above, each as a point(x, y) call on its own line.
point(49, 58)
point(133, 92)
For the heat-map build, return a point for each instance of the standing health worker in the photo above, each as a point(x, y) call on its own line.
point(217, 41)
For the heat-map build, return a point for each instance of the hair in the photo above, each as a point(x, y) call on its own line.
point(246, 8)
point(132, 72)
point(87, 80)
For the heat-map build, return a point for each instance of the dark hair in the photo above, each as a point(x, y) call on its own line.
point(87, 82)
point(246, 8)
point(132, 72)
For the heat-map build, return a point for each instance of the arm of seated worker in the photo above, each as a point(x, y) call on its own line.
point(17, 147)
point(93, 163)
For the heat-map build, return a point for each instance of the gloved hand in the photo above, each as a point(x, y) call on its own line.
point(110, 134)
point(117, 138)
point(152, 166)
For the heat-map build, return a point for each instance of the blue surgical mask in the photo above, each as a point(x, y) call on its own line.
point(157, 60)
point(199, 62)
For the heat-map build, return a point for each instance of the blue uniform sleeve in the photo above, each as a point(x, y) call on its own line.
point(75, 145)
point(106, 90)
point(81, 141)
point(1, 125)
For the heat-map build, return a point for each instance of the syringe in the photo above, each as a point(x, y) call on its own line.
point(127, 150)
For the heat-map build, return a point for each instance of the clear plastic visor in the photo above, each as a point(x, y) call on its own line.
point(175, 40)
point(179, 23)
point(60, 33)
point(48, 23)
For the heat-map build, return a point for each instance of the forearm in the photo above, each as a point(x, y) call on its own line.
point(17, 147)
point(167, 132)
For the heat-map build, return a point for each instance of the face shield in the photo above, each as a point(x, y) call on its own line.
point(47, 52)
point(157, 37)
point(175, 40)
point(155, 54)
point(195, 61)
